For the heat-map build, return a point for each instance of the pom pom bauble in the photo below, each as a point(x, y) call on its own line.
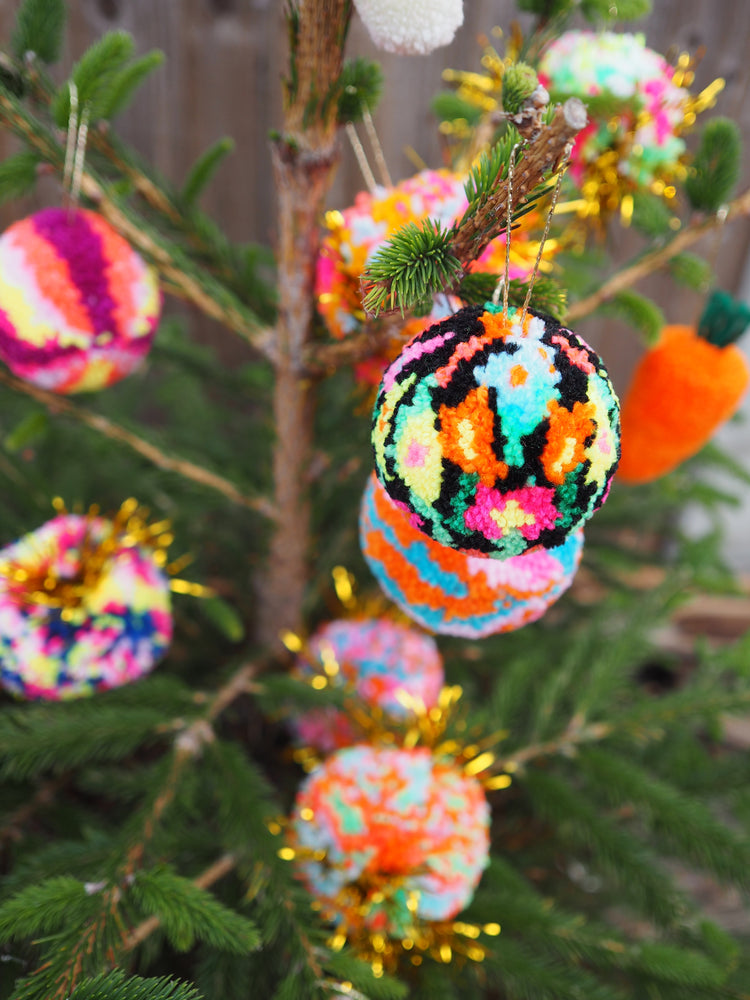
point(376, 659)
point(617, 74)
point(452, 593)
point(683, 388)
point(105, 622)
point(413, 28)
point(78, 306)
point(496, 438)
point(392, 817)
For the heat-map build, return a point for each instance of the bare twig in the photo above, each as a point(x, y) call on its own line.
point(188, 470)
point(650, 262)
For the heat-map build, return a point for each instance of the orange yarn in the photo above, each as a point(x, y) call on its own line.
point(682, 390)
point(467, 434)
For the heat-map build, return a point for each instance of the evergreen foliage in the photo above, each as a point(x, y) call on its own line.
point(414, 265)
point(690, 270)
point(18, 175)
point(97, 75)
point(360, 87)
point(39, 29)
point(716, 165)
point(204, 169)
point(125, 84)
point(638, 311)
point(519, 83)
point(115, 986)
point(623, 10)
point(143, 829)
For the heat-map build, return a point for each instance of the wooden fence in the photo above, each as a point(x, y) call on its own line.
point(222, 75)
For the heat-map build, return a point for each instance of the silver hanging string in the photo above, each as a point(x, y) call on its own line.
point(545, 234)
point(508, 222)
point(75, 149)
point(359, 152)
point(83, 134)
point(377, 149)
point(70, 143)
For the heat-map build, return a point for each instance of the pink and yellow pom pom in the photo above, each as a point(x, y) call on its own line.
point(78, 306)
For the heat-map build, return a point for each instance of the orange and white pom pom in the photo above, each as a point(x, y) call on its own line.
point(413, 28)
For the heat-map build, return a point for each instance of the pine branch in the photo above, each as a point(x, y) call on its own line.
point(686, 826)
point(576, 734)
point(418, 262)
point(189, 744)
point(650, 262)
point(57, 404)
point(626, 865)
point(216, 871)
point(116, 986)
point(188, 912)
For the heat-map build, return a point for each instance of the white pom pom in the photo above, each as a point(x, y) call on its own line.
point(411, 27)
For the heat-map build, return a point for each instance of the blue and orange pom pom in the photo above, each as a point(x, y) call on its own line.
point(451, 593)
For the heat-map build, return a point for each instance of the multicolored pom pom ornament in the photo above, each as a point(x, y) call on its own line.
point(84, 606)
point(454, 594)
point(415, 28)
point(497, 433)
point(388, 838)
point(378, 661)
point(617, 75)
point(78, 306)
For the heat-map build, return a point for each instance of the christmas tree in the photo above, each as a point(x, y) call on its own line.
point(373, 691)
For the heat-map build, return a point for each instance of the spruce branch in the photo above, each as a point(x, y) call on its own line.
point(189, 744)
point(419, 262)
point(543, 156)
point(214, 873)
point(643, 722)
point(60, 405)
point(115, 985)
point(67, 968)
point(416, 258)
point(644, 266)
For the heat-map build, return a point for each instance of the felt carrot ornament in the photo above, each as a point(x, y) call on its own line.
point(683, 389)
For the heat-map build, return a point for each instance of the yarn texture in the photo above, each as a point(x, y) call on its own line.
point(413, 28)
point(451, 593)
point(78, 306)
point(494, 436)
point(396, 825)
point(113, 634)
point(374, 659)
